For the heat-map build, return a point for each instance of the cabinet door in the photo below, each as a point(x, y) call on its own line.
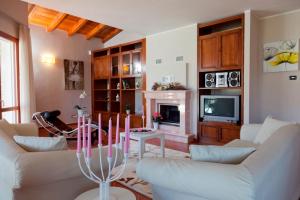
point(101, 67)
point(231, 49)
point(229, 134)
point(209, 52)
point(210, 132)
point(126, 64)
point(115, 65)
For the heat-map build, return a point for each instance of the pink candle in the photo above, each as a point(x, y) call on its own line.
point(127, 134)
point(89, 150)
point(78, 135)
point(83, 133)
point(110, 139)
point(117, 128)
point(99, 130)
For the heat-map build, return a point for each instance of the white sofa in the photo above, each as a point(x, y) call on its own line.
point(270, 173)
point(53, 175)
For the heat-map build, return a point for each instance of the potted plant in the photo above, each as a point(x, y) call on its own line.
point(127, 109)
point(156, 118)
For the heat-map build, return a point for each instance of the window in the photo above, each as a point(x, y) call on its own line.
point(9, 79)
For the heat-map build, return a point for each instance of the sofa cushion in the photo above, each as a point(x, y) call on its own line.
point(241, 143)
point(38, 144)
point(269, 127)
point(220, 154)
point(7, 128)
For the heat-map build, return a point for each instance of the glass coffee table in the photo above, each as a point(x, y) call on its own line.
point(142, 137)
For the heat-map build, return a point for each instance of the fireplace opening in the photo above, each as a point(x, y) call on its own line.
point(170, 114)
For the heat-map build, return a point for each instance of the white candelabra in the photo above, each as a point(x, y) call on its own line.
point(84, 155)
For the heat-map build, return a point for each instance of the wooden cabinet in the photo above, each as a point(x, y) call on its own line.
point(101, 67)
point(221, 51)
point(231, 49)
point(217, 133)
point(209, 52)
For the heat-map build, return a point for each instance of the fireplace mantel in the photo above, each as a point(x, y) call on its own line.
point(181, 98)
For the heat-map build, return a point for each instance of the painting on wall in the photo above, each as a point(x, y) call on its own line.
point(74, 74)
point(281, 56)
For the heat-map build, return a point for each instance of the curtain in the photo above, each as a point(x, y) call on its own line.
point(27, 91)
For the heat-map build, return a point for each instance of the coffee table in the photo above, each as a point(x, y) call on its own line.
point(116, 193)
point(143, 137)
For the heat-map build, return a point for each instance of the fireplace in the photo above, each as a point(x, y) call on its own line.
point(175, 108)
point(170, 114)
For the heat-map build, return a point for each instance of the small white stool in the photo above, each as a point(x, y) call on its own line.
point(116, 193)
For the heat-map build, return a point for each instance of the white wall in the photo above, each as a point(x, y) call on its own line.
point(275, 94)
point(49, 80)
point(167, 46)
point(12, 13)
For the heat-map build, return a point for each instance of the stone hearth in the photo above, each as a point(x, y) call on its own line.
point(180, 98)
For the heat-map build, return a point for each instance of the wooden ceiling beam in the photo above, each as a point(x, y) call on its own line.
point(94, 31)
point(31, 10)
point(55, 23)
point(111, 35)
point(77, 26)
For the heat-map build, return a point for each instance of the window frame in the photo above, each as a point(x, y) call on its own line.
point(16, 108)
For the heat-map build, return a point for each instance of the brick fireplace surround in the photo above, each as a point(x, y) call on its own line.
point(181, 98)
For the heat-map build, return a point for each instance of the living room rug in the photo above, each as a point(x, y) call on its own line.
point(129, 177)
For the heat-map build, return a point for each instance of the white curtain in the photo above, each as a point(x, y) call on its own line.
point(27, 91)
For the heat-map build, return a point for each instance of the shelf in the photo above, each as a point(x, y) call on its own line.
point(100, 89)
point(220, 88)
point(130, 89)
point(216, 70)
point(99, 79)
point(115, 101)
point(115, 89)
point(101, 100)
point(115, 77)
point(132, 76)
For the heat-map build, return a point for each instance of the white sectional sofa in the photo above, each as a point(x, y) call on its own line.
point(272, 172)
point(53, 175)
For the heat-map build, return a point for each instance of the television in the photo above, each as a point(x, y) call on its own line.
point(222, 108)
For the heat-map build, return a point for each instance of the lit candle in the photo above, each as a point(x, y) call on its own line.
point(83, 133)
point(117, 128)
point(89, 150)
point(110, 139)
point(99, 130)
point(78, 135)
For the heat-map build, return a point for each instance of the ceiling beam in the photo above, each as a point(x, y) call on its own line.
point(77, 26)
point(111, 35)
point(94, 31)
point(31, 10)
point(55, 23)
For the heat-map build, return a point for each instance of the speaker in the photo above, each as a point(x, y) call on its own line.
point(234, 79)
point(210, 80)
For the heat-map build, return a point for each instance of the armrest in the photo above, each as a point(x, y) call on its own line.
point(39, 168)
point(198, 178)
point(249, 131)
point(30, 129)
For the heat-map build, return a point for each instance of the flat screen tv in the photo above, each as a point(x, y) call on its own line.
point(220, 108)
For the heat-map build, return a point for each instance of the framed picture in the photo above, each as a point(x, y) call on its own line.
point(281, 56)
point(74, 75)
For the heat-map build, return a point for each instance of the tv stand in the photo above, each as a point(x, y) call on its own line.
point(218, 133)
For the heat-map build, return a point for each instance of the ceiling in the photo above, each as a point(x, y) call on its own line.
point(152, 16)
point(52, 20)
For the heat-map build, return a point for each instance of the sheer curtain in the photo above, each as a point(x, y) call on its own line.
point(27, 92)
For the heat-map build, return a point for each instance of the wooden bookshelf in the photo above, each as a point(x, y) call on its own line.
point(119, 71)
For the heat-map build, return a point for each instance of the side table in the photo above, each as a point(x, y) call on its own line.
point(116, 193)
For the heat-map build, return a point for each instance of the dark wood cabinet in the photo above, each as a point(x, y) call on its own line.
point(221, 51)
point(218, 133)
point(118, 82)
point(231, 43)
point(209, 52)
point(101, 67)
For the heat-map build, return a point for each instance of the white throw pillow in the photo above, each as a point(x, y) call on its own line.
point(269, 127)
point(220, 154)
point(38, 144)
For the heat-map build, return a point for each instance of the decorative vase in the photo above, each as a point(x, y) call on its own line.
point(80, 112)
point(155, 125)
point(128, 112)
